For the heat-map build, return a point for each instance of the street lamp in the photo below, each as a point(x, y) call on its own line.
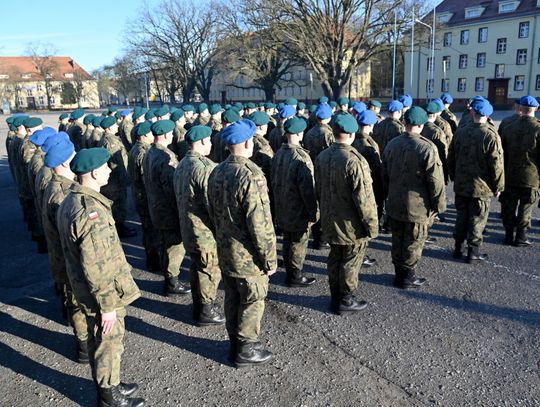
point(431, 74)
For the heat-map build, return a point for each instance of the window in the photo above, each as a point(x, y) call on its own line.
point(29, 92)
point(39, 87)
point(445, 85)
point(26, 75)
point(447, 39)
point(482, 34)
point(446, 62)
point(4, 76)
point(51, 99)
point(519, 82)
point(473, 12)
point(462, 84)
point(521, 57)
point(463, 61)
point(20, 101)
point(523, 29)
point(499, 71)
point(41, 100)
point(479, 85)
point(68, 75)
point(444, 17)
point(464, 38)
point(429, 64)
point(429, 86)
point(501, 46)
point(537, 82)
point(507, 6)
point(481, 60)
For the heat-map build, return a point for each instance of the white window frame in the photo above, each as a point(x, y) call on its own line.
point(463, 61)
point(477, 81)
point(464, 37)
point(482, 38)
point(481, 60)
point(523, 31)
point(462, 85)
point(521, 56)
point(501, 45)
point(519, 84)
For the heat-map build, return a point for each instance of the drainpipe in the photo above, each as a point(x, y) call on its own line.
point(532, 55)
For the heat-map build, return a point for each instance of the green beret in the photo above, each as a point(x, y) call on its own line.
point(260, 104)
point(215, 108)
point(230, 115)
point(250, 105)
point(138, 112)
point(88, 119)
point(269, 105)
point(295, 125)
point(108, 122)
point(228, 106)
point(142, 129)
point(9, 120)
point(32, 122)
point(89, 159)
point(63, 116)
point(343, 101)
point(346, 123)
point(375, 103)
point(111, 110)
point(312, 108)
point(416, 116)
point(162, 127)
point(188, 108)
point(301, 105)
point(202, 107)
point(291, 101)
point(333, 104)
point(150, 114)
point(239, 106)
point(196, 133)
point(162, 111)
point(76, 114)
point(19, 120)
point(259, 118)
point(177, 115)
point(117, 115)
point(433, 107)
point(97, 121)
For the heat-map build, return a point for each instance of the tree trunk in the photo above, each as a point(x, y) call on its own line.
point(269, 93)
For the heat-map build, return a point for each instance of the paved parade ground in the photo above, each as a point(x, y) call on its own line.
point(469, 337)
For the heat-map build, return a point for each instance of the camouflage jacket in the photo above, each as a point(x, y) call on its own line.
point(475, 161)
point(451, 118)
point(201, 120)
point(36, 163)
point(413, 179)
point(191, 191)
point(43, 178)
point(293, 186)
point(262, 155)
point(96, 266)
point(317, 139)
point(219, 149)
point(124, 132)
point(345, 192)
point(437, 136)
point(446, 128)
point(387, 130)
point(76, 133)
point(13, 155)
point(521, 146)
point(87, 136)
point(95, 138)
point(240, 211)
point(159, 164)
point(369, 149)
point(215, 124)
point(118, 162)
point(135, 170)
point(276, 137)
point(9, 138)
point(506, 121)
point(25, 154)
point(178, 138)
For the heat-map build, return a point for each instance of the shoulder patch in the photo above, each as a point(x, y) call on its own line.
point(93, 215)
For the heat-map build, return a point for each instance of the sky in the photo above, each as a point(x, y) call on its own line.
point(88, 31)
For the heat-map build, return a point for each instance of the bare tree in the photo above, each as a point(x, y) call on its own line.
point(124, 81)
point(42, 55)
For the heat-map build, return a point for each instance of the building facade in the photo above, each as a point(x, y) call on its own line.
point(489, 48)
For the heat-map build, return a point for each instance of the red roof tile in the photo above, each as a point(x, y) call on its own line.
point(26, 65)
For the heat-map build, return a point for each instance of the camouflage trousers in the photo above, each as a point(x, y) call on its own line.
point(118, 196)
point(471, 219)
point(244, 306)
point(106, 351)
point(517, 205)
point(294, 250)
point(151, 237)
point(344, 262)
point(171, 252)
point(205, 276)
point(77, 319)
point(408, 242)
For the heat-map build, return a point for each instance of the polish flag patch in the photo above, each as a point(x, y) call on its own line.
point(93, 215)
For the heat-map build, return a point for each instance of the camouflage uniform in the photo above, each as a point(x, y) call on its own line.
point(507, 121)
point(475, 163)
point(317, 139)
point(201, 120)
point(25, 152)
point(446, 128)
point(437, 136)
point(386, 130)
point(348, 214)
point(276, 137)
point(521, 146)
point(15, 162)
point(124, 132)
point(95, 138)
point(414, 180)
point(178, 145)
point(99, 274)
point(35, 164)
point(215, 124)
point(9, 138)
point(451, 118)
point(116, 189)
point(219, 151)
point(53, 196)
point(246, 242)
point(76, 134)
point(293, 186)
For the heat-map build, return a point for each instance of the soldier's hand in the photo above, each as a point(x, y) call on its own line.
point(270, 272)
point(108, 319)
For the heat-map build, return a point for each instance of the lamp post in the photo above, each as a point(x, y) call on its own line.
point(431, 73)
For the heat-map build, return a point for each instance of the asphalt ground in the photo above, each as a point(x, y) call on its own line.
point(470, 337)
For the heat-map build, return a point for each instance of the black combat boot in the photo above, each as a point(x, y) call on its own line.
point(474, 256)
point(251, 354)
point(458, 254)
point(334, 300)
point(295, 278)
point(350, 304)
point(153, 262)
point(318, 243)
point(410, 280)
point(111, 397)
point(82, 352)
point(125, 231)
point(368, 261)
point(233, 348)
point(41, 245)
point(509, 236)
point(521, 238)
point(174, 287)
point(128, 389)
point(209, 315)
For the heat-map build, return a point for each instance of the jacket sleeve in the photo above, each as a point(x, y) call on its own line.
point(306, 186)
point(363, 197)
point(495, 158)
point(435, 181)
point(451, 158)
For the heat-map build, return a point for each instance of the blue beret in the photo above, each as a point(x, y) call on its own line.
point(346, 123)
point(375, 103)
point(88, 159)
point(188, 108)
point(359, 107)
point(323, 99)
point(287, 111)
point(433, 107)
point(343, 101)
point(291, 101)
point(63, 116)
point(177, 114)
point(324, 111)
point(482, 107)
point(477, 98)
point(53, 140)
point(367, 118)
point(142, 129)
point(108, 122)
point(447, 98)
point(238, 132)
point(394, 106)
point(280, 105)
point(125, 112)
point(32, 122)
point(76, 114)
point(96, 122)
point(440, 103)
point(59, 153)
point(528, 101)
point(259, 118)
point(19, 120)
point(406, 100)
point(162, 127)
point(39, 137)
point(416, 116)
point(196, 133)
point(162, 111)
point(295, 125)
point(214, 109)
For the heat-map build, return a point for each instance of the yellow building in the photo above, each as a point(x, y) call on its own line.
point(24, 82)
point(489, 48)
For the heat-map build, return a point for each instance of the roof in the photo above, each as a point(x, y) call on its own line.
point(491, 11)
point(28, 65)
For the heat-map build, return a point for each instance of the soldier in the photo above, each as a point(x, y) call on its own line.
point(89, 128)
point(59, 153)
point(116, 188)
point(215, 118)
point(145, 138)
point(110, 112)
point(521, 146)
point(189, 113)
point(510, 119)
point(262, 152)
point(246, 242)
point(357, 108)
point(342, 105)
point(390, 127)
point(191, 191)
point(150, 116)
point(348, 212)
point(270, 109)
point(276, 136)
point(219, 149)
point(475, 163)
point(98, 272)
point(12, 132)
point(375, 106)
point(290, 101)
point(301, 111)
point(13, 157)
point(203, 116)
point(97, 133)
point(443, 124)
point(411, 163)
point(446, 114)
point(249, 108)
point(406, 101)
point(293, 186)
point(436, 135)
point(159, 164)
point(125, 127)
point(178, 145)
point(76, 129)
point(63, 121)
